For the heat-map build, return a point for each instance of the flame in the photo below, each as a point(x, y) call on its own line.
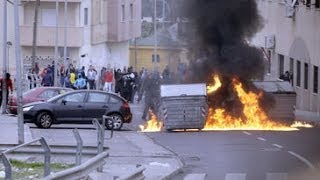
point(216, 86)
point(153, 125)
point(301, 125)
point(254, 116)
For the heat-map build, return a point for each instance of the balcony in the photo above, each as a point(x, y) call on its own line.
point(46, 36)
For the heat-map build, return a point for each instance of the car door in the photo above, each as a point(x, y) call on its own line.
point(70, 107)
point(96, 105)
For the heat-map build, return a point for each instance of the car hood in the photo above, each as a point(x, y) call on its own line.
point(34, 103)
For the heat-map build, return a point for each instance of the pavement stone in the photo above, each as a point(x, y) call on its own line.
point(128, 149)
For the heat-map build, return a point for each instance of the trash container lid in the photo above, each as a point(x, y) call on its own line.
point(183, 90)
point(274, 86)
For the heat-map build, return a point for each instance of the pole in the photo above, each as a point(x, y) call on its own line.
point(65, 35)
point(18, 73)
point(4, 68)
point(56, 44)
point(135, 54)
point(163, 12)
point(34, 40)
point(155, 35)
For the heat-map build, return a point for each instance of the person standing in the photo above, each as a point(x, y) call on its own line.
point(108, 78)
point(47, 80)
point(62, 73)
point(9, 87)
point(80, 82)
point(91, 75)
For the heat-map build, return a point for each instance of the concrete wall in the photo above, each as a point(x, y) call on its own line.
point(297, 38)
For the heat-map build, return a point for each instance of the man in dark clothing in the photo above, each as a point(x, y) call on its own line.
point(47, 79)
point(9, 86)
point(151, 89)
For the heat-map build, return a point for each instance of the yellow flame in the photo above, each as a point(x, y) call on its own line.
point(254, 116)
point(216, 86)
point(301, 125)
point(153, 125)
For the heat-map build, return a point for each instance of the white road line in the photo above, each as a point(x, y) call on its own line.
point(247, 133)
point(235, 176)
point(195, 176)
point(277, 145)
point(277, 176)
point(308, 163)
point(261, 139)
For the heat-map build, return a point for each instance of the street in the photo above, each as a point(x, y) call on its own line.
point(246, 155)
point(229, 155)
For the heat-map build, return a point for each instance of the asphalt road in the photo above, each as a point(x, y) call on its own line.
point(245, 155)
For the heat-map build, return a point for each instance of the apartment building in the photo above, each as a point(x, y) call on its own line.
point(291, 42)
point(97, 31)
point(10, 42)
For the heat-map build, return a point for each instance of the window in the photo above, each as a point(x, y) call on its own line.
point(48, 94)
point(281, 64)
point(98, 98)
point(306, 75)
point(155, 60)
point(131, 11)
point(315, 78)
point(85, 19)
point(61, 51)
point(114, 100)
point(317, 4)
point(298, 73)
point(291, 70)
point(48, 17)
point(75, 97)
point(123, 14)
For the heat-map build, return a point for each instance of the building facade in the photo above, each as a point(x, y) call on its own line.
point(291, 42)
point(97, 31)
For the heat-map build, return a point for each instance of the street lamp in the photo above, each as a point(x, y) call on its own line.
point(9, 44)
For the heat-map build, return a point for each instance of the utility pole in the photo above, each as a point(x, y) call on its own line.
point(35, 26)
point(155, 35)
point(56, 44)
point(65, 35)
point(4, 68)
point(18, 73)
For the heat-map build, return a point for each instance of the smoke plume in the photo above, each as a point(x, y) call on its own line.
point(218, 32)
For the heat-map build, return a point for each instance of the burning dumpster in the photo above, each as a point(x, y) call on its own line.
point(285, 99)
point(184, 106)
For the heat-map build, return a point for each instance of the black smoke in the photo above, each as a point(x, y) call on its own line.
point(218, 32)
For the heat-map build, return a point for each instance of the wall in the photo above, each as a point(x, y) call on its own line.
point(296, 38)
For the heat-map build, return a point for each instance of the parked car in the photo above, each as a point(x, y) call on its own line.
point(36, 94)
point(79, 107)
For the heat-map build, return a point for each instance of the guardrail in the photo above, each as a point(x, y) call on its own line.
point(8, 166)
point(80, 171)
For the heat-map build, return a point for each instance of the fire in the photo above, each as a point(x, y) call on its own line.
point(301, 125)
point(153, 125)
point(216, 86)
point(254, 117)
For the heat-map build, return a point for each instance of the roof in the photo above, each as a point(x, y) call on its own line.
point(275, 86)
point(164, 39)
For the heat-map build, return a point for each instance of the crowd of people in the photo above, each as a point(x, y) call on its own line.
point(130, 84)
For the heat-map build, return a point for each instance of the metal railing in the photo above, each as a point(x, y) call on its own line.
point(8, 166)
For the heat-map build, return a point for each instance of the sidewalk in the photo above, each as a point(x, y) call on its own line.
point(128, 149)
point(307, 116)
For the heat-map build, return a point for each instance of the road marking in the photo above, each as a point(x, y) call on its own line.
point(261, 139)
point(277, 176)
point(195, 176)
point(247, 133)
point(235, 176)
point(308, 163)
point(277, 145)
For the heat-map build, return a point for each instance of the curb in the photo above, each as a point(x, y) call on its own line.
point(176, 156)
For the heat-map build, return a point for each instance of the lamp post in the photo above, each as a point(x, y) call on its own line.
point(9, 44)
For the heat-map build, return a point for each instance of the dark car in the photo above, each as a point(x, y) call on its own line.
point(79, 107)
point(34, 95)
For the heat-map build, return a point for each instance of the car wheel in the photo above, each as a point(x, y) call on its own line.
point(44, 120)
point(115, 122)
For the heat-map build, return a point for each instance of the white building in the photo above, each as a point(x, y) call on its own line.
point(294, 28)
point(98, 31)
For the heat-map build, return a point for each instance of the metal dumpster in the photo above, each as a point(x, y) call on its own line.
point(184, 106)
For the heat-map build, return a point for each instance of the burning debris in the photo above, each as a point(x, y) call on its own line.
point(153, 125)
